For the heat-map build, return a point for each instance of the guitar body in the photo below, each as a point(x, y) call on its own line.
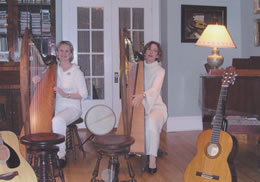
point(203, 164)
point(16, 168)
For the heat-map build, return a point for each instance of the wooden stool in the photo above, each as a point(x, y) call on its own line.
point(113, 146)
point(71, 132)
point(42, 154)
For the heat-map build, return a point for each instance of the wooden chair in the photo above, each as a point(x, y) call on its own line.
point(42, 155)
point(100, 120)
point(72, 135)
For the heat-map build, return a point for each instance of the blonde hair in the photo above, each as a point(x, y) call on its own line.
point(68, 43)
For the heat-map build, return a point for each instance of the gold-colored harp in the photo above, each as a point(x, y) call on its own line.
point(131, 82)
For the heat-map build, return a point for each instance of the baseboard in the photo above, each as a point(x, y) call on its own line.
point(185, 123)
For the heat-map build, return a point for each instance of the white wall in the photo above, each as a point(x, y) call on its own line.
point(186, 62)
point(58, 11)
point(247, 23)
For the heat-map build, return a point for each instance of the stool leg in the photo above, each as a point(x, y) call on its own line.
point(144, 162)
point(68, 139)
point(43, 176)
point(51, 167)
point(29, 157)
point(79, 141)
point(95, 172)
point(257, 147)
point(114, 167)
point(36, 164)
point(73, 141)
point(130, 169)
point(59, 168)
point(33, 161)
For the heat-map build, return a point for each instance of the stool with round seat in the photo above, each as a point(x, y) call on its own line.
point(71, 133)
point(42, 155)
point(113, 146)
point(100, 120)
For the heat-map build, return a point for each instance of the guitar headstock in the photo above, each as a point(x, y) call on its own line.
point(229, 76)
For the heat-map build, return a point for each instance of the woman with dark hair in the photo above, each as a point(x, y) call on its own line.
point(70, 90)
point(155, 109)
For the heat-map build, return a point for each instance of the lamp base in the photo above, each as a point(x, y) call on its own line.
point(215, 60)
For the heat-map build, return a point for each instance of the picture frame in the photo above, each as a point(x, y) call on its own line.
point(195, 18)
point(257, 32)
point(257, 6)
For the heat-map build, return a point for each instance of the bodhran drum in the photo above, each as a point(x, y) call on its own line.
point(100, 119)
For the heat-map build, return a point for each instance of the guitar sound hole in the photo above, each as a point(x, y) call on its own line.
point(13, 160)
point(213, 150)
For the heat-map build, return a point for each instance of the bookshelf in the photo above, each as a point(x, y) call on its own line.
point(39, 16)
point(15, 16)
point(3, 31)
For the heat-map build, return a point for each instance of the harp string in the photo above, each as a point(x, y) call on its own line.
point(36, 72)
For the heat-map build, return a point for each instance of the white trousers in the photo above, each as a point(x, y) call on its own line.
point(153, 126)
point(59, 125)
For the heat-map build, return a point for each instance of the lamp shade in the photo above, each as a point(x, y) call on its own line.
point(215, 36)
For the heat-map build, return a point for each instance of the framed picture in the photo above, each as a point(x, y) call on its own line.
point(256, 6)
point(257, 32)
point(194, 20)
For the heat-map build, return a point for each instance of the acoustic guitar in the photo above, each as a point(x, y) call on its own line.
point(213, 145)
point(13, 167)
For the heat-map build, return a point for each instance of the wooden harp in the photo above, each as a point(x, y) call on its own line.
point(37, 99)
point(131, 82)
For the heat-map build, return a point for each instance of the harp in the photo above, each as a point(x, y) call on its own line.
point(131, 82)
point(37, 99)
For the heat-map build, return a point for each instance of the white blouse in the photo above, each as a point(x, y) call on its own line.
point(153, 80)
point(70, 81)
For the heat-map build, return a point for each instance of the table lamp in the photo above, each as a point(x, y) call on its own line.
point(215, 36)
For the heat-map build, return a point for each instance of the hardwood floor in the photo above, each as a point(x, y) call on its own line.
point(181, 148)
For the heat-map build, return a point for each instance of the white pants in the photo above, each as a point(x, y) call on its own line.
point(60, 122)
point(153, 126)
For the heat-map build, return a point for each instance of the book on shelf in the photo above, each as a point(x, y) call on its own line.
point(3, 22)
point(3, 44)
point(4, 56)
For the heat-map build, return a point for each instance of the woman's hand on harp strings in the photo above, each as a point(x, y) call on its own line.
point(137, 99)
point(36, 79)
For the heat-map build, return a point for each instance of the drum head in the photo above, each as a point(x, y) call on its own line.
point(100, 119)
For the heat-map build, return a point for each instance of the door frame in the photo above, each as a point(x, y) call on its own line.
point(152, 32)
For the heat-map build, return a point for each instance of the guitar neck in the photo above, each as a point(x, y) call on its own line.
point(218, 119)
